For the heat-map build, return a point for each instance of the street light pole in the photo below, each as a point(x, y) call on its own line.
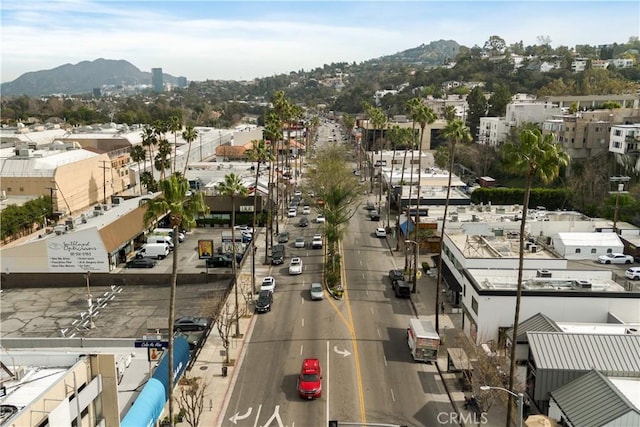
point(518, 396)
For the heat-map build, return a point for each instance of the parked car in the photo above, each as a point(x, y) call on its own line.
point(140, 263)
point(320, 219)
point(268, 284)
point(292, 212)
point(633, 273)
point(299, 242)
point(264, 301)
point(283, 237)
point(370, 205)
point(316, 291)
point(381, 232)
point(401, 288)
point(615, 259)
point(374, 215)
point(220, 260)
point(295, 266)
point(191, 323)
point(303, 222)
point(306, 210)
point(395, 275)
point(310, 379)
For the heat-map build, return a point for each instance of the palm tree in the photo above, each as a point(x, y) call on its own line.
point(189, 134)
point(535, 156)
point(424, 115)
point(175, 126)
point(233, 187)
point(379, 121)
point(138, 154)
point(162, 160)
point(454, 132)
point(273, 133)
point(149, 140)
point(260, 152)
point(182, 211)
point(449, 112)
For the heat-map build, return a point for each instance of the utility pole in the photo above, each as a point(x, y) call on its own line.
point(619, 181)
point(51, 190)
point(104, 180)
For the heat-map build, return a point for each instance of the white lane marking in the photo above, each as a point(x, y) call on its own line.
point(302, 322)
point(326, 381)
point(371, 308)
point(301, 349)
point(385, 360)
point(392, 396)
point(236, 417)
point(343, 353)
point(257, 416)
point(275, 417)
point(379, 334)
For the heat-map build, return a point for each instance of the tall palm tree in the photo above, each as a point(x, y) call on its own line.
point(449, 112)
point(454, 132)
point(424, 115)
point(273, 133)
point(410, 106)
point(149, 140)
point(260, 152)
point(535, 156)
point(379, 121)
point(138, 154)
point(162, 161)
point(175, 126)
point(233, 188)
point(189, 134)
point(182, 211)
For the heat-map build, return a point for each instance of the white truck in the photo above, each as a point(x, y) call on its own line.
point(153, 250)
point(423, 340)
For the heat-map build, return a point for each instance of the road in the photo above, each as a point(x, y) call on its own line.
point(369, 376)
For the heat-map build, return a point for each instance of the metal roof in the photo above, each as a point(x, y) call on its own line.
point(592, 239)
point(612, 354)
point(594, 400)
point(536, 323)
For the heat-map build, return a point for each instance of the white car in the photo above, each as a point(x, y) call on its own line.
point(381, 232)
point(268, 284)
point(295, 266)
point(633, 273)
point(297, 193)
point(316, 243)
point(316, 291)
point(320, 219)
point(615, 259)
point(292, 213)
point(299, 242)
point(306, 210)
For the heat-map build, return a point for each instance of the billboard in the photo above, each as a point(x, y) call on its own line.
point(205, 249)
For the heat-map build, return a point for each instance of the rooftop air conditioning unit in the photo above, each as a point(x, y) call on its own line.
point(117, 201)
point(533, 248)
point(69, 223)
point(106, 207)
point(454, 218)
point(60, 229)
point(632, 331)
point(543, 273)
point(583, 284)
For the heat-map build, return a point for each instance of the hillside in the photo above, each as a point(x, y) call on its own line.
point(78, 78)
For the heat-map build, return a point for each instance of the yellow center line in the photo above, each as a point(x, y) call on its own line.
point(349, 324)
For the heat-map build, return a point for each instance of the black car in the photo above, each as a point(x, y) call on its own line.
point(395, 275)
point(277, 255)
point(304, 221)
point(401, 288)
point(283, 237)
point(191, 323)
point(264, 301)
point(140, 263)
point(219, 261)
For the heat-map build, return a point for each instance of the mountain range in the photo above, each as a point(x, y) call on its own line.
point(78, 78)
point(84, 76)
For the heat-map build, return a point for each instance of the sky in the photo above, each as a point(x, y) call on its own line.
point(242, 40)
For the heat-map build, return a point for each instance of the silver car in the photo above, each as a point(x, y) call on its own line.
point(316, 291)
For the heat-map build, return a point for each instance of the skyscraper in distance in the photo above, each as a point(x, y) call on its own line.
point(156, 80)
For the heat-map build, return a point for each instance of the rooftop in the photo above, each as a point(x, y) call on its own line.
point(561, 280)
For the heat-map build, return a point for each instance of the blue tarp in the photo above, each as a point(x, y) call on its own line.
point(149, 404)
point(406, 227)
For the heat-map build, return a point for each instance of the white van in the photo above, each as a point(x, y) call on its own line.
point(153, 250)
point(154, 238)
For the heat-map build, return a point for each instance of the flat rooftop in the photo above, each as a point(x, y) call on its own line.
point(492, 246)
point(560, 280)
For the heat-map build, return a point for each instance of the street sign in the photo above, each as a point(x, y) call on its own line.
point(151, 344)
point(154, 337)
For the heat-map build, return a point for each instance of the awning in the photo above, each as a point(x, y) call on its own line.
point(452, 282)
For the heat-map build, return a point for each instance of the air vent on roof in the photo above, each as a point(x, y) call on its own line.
point(583, 284)
point(543, 273)
point(632, 331)
point(117, 201)
point(69, 223)
point(533, 248)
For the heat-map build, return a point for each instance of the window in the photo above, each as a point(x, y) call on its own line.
point(609, 250)
point(593, 250)
point(474, 305)
point(578, 250)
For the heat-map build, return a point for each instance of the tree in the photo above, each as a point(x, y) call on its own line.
point(477, 108)
point(138, 155)
point(536, 156)
point(233, 188)
point(189, 134)
point(260, 153)
point(182, 212)
point(449, 113)
point(424, 115)
point(495, 45)
point(175, 126)
point(498, 101)
point(454, 132)
point(191, 398)
point(149, 140)
point(272, 133)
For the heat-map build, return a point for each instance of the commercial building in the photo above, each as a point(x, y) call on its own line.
point(157, 80)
